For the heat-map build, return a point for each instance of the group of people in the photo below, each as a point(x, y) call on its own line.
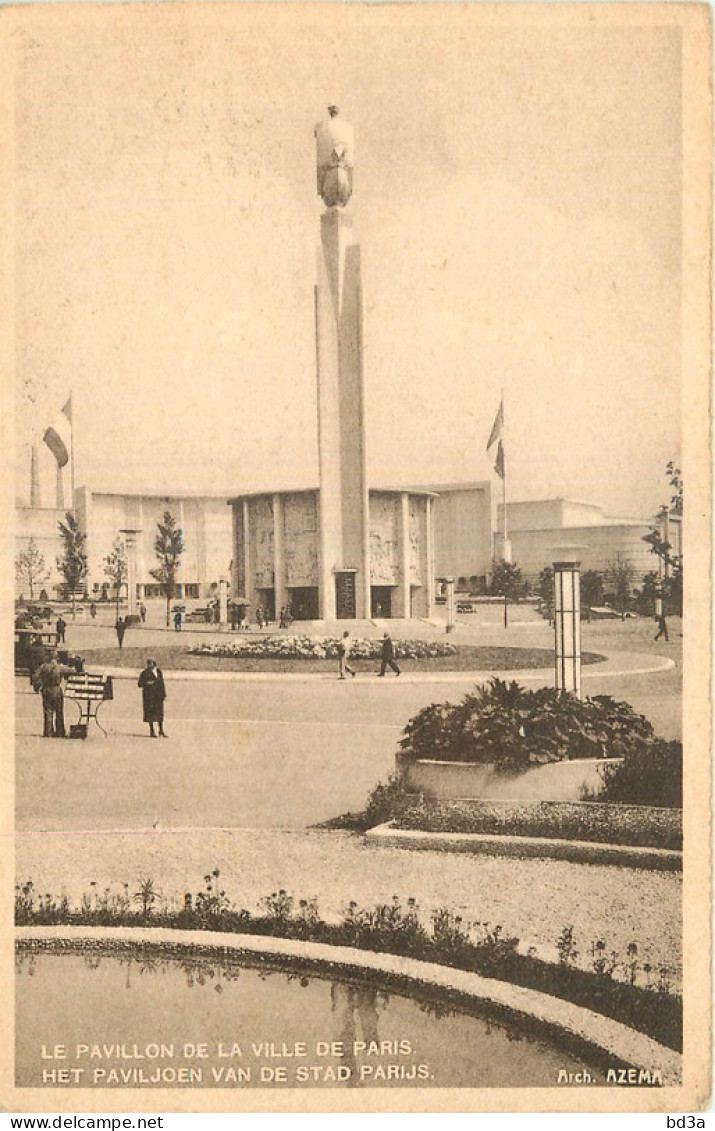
point(387, 656)
point(48, 681)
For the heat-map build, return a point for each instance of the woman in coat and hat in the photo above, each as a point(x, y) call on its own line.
point(151, 682)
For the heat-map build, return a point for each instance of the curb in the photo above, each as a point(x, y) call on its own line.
point(623, 1044)
point(529, 675)
point(575, 851)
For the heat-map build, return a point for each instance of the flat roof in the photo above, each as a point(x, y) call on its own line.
point(422, 491)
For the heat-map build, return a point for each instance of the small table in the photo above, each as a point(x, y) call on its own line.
point(89, 692)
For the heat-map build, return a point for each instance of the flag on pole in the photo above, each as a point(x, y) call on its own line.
point(499, 461)
point(497, 427)
point(496, 437)
point(58, 436)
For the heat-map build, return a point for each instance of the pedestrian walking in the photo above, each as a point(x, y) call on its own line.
point(93, 610)
point(388, 655)
point(151, 682)
point(121, 628)
point(282, 621)
point(344, 656)
point(662, 627)
point(142, 613)
point(177, 620)
point(259, 616)
point(60, 629)
point(47, 680)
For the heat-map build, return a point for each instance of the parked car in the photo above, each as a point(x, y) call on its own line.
point(202, 615)
point(40, 612)
point(33, 647)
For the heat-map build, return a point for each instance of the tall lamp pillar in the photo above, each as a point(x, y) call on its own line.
point(449, 593)
point(223, 602)
point(130, 541)
point(567, 625)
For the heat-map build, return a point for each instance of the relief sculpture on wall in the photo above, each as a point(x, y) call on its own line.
point(414, 548)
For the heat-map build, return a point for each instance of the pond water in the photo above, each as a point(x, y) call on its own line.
point(142, 1018)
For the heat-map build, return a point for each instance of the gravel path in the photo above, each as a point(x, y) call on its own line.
point(533, 899)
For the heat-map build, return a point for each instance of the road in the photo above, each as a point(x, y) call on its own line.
point(255, 753)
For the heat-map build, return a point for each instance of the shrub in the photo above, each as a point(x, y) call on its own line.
point(648, 775)
point(387, 800)
point(506, 725)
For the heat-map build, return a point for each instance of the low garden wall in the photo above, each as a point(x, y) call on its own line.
point(555, 781)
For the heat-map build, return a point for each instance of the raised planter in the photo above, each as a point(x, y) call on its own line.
point(556, 781)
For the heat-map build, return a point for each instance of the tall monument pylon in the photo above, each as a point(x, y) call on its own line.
point(344, 505)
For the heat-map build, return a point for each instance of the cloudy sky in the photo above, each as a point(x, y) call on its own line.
point(517, 198)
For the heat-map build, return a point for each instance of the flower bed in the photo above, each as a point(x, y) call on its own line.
point(623, 986)
point(321, 648)
point(634, 825)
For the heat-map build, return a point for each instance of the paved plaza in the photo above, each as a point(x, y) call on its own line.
point(252, 761)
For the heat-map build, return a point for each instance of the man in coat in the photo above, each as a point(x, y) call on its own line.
point(388, 655)
point(344, 656)
point(47, 679)
point(151, 682)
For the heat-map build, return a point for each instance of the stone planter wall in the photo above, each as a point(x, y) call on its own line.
point(557, 781)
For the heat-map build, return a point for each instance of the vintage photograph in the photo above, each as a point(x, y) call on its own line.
point(360, 344)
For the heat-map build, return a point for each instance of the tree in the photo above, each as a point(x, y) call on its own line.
point(73, 563)
point(117, 568)
point(545, 593)
point(671, 567)
point(648, 594)
point(30, 567)
point(168, 547)
point(676, 482)
point(509, 583)
point(618, 580)
point(591, 590)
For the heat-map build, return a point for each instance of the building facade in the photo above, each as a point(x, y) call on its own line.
point(463, 522)
point(548, 530)
point(204, 519)
point(277, 560)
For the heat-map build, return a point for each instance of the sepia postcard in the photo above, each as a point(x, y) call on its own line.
point(364, 345)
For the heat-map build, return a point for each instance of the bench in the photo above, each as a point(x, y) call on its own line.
point(89, 691)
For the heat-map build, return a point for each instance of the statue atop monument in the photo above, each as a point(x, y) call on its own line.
point(334, 145)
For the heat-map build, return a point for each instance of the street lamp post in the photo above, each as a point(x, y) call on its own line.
point(449, 584)
point(223, 603)
point(567, 626)
point(130, 541)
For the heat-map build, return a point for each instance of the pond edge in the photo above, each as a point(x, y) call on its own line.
point(624, 1045)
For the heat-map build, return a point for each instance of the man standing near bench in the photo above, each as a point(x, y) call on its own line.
point(48, 681)
point(151, 682)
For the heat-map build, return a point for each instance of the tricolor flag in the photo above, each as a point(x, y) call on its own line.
point(58, 436)
point(496, 437)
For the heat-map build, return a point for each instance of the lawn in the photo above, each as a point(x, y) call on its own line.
point(468, 658)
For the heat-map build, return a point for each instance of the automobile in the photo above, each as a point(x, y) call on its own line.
point(40, 612)
point(202, 615)
point(605, 612)
point(33, 647)
point(465, 607)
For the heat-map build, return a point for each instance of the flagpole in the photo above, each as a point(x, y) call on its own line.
point(72, 447)
point(505, 554)
point(503, 481)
